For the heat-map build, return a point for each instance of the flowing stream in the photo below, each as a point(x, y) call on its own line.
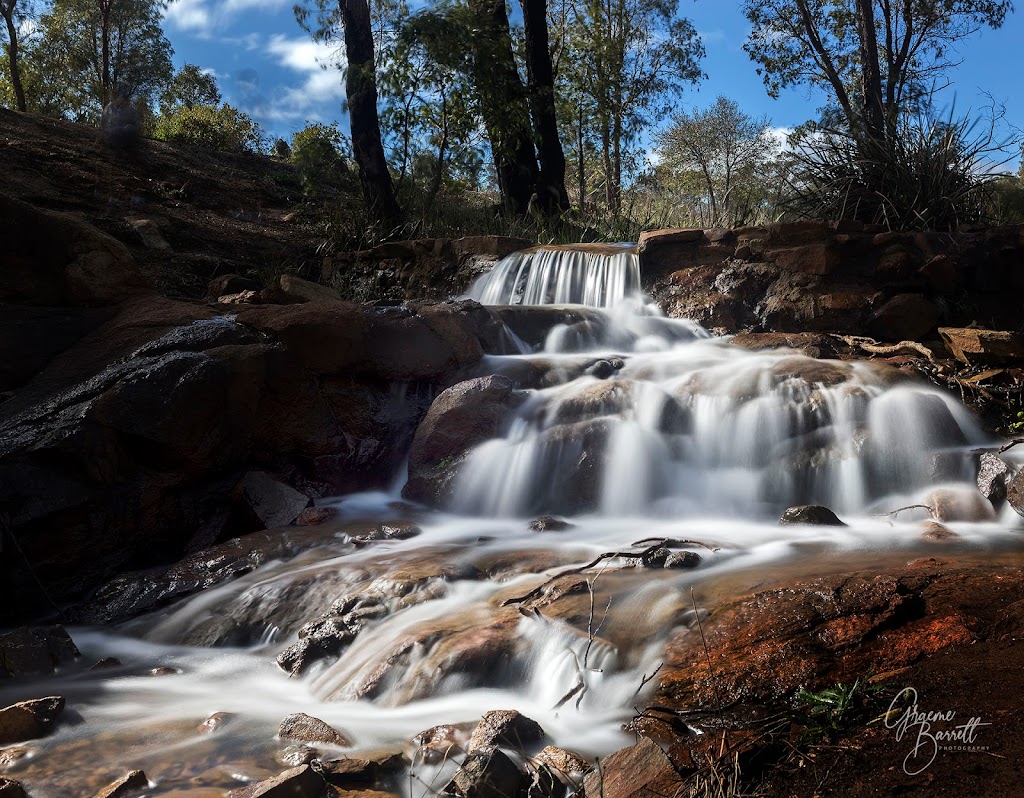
point(633, 426)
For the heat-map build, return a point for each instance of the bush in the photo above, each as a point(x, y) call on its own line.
point(220, 128)
point(318, 153)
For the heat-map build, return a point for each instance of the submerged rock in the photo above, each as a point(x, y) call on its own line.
point(811, 514)
point(550, 523)
point(441, 743)
point(129, 784)
point(307, 729)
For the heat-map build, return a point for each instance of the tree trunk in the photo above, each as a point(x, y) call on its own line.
point(108, 95)
point(503, 104)
point(12, 52)
point(540, 76)
point(582, 174)
point(871, 74)
point(361, 91)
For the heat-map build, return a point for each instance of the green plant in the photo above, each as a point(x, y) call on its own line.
point(826, 712)
point(215, 128)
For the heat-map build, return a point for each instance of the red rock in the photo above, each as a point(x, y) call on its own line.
point(299, 782)
point(640, 771)
point(307, 729)
point(29, 720)
point(506, 727)
point(905, 317)
point(978, 346)
point(128, 785)
point(817, 259)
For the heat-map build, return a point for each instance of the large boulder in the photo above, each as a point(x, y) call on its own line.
point(462, 417)
point(905, 317)
point(976, 346)
point(639, 771)
point(35, 650)
point(29, 720)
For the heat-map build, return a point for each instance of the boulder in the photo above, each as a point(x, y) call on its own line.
point(934, 532)
point(299, 782)
point(29, 720)
point(508, 728)
point(149, 234)
point(1015, 492)
point(639, 771)
point(550, 523)
point(994, 474)
point(362, 771)
point(129, 784)
point(307, 729)
point(976, 346)
point(958, 503)
point(487, 773)
point(810, 514)
point(38, 649)
point(295, 289)
point(905, 317)
point(270, 500)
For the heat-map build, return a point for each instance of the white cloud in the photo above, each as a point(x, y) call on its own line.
point(781, 135)
point(317, 66)
point(204, 17)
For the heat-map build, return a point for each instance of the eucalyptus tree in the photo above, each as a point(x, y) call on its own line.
point(189, 87)
point(15, 13)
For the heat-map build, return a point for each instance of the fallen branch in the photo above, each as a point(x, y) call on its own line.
point(871, 346)
point(930, 509)
point(675, 543)
point(608, 555)
point(1011, 444)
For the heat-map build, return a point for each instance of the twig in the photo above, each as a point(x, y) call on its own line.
point(930, 509)
point(1011, 444)
point(675, 543)
point(646, 678)
point(707, 653)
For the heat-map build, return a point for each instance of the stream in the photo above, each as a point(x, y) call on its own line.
point(630, 427)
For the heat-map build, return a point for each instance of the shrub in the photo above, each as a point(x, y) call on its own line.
point(214, 128)
point(318, 153)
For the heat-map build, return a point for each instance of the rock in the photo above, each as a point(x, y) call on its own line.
point(935, 532)
point(299, 782)
point(550, 523)
point(38, 649)
point(459, 419)
point(129, 784)
point(298, 290)
point(1015, 492)
point(230, 284)
point(817, 259)
point(9, 788)
point(163, 670)
point(29, 720)
point(241, 298)
point(307, 729)
point(811, 514)
point(441, 743)
point(976, 346)
point(506, 727)
point(295, 755)
point(314, 516)
point(359, 772)
point(905, 317)
point(216, 722)
point(993, 475)
point(149, 234)
point(106, 662)
point(273, 502)
point(957, 503)
point(940, 274)
point(399, 530)
point(639, 771)
point(487, 773)
point(562, 761)
point(12, 755)
point(682, 559)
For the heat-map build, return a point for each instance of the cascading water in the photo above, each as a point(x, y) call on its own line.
point(630, 424)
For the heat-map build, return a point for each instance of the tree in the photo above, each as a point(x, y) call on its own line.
point(727, 148)
point(631, 59)
point(89, 51)
point(13, 13)
point(874, 60)
point(213, 127)
point(190, 87)
point(353, 16)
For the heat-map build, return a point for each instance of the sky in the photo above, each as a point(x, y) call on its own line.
point(267, 66)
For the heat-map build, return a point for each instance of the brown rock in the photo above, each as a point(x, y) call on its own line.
point(959, 504)
point(639, 771)
point(817, 259)
point(440, 743)
point(296, 289)
point(487, 773)
point(359, 772)
point(215, 722)
point(307, 729)
point(12, 755)
point(508, 728)
point(905, 317)
point(314, 516)
point(9, 788)
point(270, 500)
point(296, 755)
point(299, 782)
point(38, 649)
point(106, 662)
point(550, 523)
point(935, 532)
point(149, 234)
point(939, 274)
point(810, 514)
point(983, 347)
point(129, 784)
point(561, 761)
point(29, 720)
point(658, 238)
point(1015, 492)
point(230, 284)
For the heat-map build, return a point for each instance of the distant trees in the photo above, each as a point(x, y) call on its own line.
point(14, 13)
point(189, 87)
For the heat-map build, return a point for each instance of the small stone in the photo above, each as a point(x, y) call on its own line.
point(9, 757)
point(127, 785)
point(106, 662)
point(440, 743)
point(506, 727)
point(810, 514)
point(550, 523)
point(29, 720)
point(314, 516)
point(295, 755)
point(307, 729)
point(938, 533)
point(164, 670)
point(215, 722)
point(299, 782)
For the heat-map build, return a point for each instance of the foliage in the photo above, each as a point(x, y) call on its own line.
point(721, 154)
point(69, 76)
point(221, 128)
point(189, 87)
point(318, 153)
point(826, 712)
point(933, 175)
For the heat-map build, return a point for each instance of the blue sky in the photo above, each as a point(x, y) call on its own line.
point(267, 65)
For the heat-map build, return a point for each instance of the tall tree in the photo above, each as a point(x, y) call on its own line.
point(874, 59)
point(12, 12)
point(541, 83)
point(361, 95)
point(190, 87)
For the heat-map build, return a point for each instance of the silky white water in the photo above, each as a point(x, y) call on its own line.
point(630, 426)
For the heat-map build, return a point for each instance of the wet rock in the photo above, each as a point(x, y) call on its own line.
point(441, 743)
point(9, 788)
point(12, 755)
point(683, 559)
point(399, 530)
point(563, 762)
point(307, 729)
point(163, 670)
point(314, 516)
point(29, 720)
point(905, 317)
point(462, 417)
point(1015, 492)
point(296, 755)
point(129, 784)
point(295, 289)
point(299, 782)
point(38, 649)
point(934, 532)
point(487, 773)
point(550, 523)
point(811, 514)
point(331, 633)
point(810, 371)
point(976, 346)
point(273, 502)
point(216, 722)
point(360, 772)
point(957, 503)
point(506, 727)
point(594, 400)
point(639, 771)
point(230, 284)
point(994, 474)
point(106, 662)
